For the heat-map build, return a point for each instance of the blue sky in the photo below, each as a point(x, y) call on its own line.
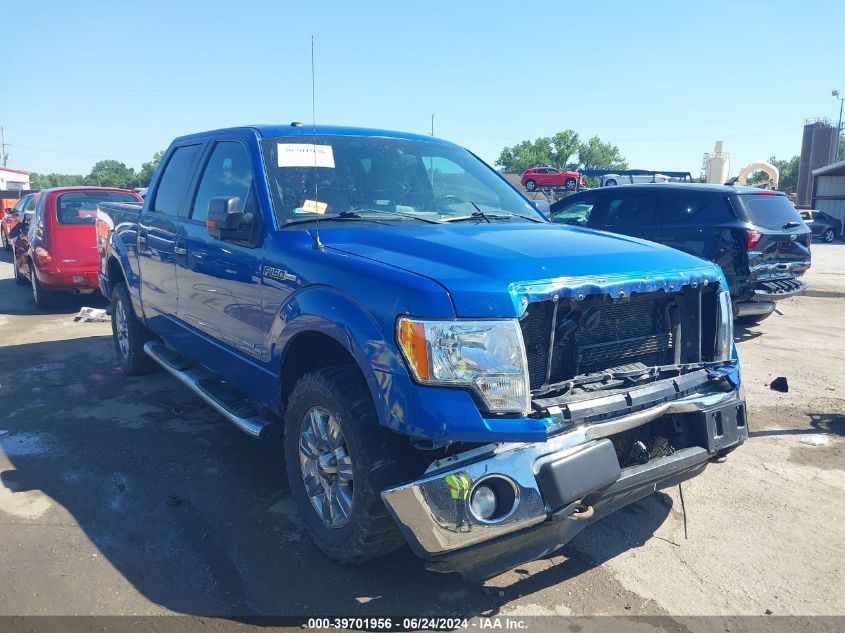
point(662, 80)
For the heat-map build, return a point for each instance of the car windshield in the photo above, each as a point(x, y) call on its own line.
point(80, 207)
point(386, 179)
point(768, 211)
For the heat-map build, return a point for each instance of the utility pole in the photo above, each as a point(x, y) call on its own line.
point(3, 153)
point(835, 93)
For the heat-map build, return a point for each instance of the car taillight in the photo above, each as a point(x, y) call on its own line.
point(753, 238)
point(42, 257)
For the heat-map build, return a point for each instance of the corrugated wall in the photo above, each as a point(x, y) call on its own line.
point(830, 195)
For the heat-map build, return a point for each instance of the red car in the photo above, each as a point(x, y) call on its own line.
point(550, 177)
point(13, 217)
point(55, 244)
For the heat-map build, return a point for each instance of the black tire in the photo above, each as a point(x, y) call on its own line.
point(379, 458)
point(131, 357)
point(610, 183)
point(19, 279)
point(570, 184)
point(531, 185)
point(752, 319)
point(828, 236)
point(44, 299)
point(4, 241)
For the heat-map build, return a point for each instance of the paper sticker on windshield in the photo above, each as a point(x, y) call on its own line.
point(312, 206)
point(305, 155)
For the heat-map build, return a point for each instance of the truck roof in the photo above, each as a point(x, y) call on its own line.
point(305, 130)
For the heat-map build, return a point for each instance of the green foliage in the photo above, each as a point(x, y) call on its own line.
point(788, 173)
point(105, 173)
point(563, 151)
point(148, 169)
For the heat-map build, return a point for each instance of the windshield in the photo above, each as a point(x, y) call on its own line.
point(768, 211)
point(388, 179)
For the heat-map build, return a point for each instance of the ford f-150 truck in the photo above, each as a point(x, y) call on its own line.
point(442, 365)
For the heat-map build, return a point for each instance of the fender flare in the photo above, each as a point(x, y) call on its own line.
point(116, 251)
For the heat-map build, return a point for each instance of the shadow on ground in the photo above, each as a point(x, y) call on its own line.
point(197, 516)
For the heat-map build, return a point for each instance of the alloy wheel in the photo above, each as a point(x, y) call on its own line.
point(326, 466)
point(121, 329)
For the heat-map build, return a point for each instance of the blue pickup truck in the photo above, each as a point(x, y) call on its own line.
point(442, 366)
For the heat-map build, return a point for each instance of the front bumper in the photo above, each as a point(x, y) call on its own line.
point(550, 481)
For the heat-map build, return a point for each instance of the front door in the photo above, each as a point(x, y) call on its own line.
point(160, 239)
point(220, 281)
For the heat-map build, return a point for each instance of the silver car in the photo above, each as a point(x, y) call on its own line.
point(611, 180)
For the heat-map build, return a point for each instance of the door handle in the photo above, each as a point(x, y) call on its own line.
point(142, 236)
point(178, 250)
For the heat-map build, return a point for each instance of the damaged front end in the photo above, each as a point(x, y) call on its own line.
point(637, 382)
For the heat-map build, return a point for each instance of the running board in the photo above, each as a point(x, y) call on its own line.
point(229, 403)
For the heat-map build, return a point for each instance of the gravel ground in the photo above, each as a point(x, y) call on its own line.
point(129, 496)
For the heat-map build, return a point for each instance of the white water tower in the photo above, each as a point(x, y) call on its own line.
point(718, 166)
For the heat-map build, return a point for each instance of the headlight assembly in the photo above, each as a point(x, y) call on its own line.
point(486, 356)
point(725, 327)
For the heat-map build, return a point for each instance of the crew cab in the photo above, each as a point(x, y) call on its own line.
point(54, 249)
point(551, 177)
point(443, 366)
point(754, 235)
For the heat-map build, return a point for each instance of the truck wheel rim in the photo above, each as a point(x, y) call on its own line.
point(121, 329)
point(326, 466)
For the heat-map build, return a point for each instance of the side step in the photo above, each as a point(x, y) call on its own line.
point(241, 412)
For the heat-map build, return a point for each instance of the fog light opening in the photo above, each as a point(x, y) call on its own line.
point(493, 499)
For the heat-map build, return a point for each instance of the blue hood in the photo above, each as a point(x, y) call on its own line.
point(493, 270)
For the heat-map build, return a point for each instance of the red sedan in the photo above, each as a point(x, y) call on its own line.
point(13, 217)
point(55, 244)
point(550, 177)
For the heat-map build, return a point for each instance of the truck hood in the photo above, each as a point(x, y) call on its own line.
point(494, 270)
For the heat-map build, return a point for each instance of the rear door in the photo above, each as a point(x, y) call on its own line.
point(632, 213)
point(220, 281)
point(702, 224)
point(779, 241)
point(160, 238)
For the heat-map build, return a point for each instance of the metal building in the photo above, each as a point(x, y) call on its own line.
point(829, 190)
point(818, 148)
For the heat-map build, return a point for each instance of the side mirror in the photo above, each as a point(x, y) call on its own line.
point(543, 207)
point(225, 221)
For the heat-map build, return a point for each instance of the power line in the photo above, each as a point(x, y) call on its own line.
point(58, 151)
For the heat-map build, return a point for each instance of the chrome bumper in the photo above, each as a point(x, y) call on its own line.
point(436, 523)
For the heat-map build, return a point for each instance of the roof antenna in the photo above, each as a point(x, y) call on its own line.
point(317, 242)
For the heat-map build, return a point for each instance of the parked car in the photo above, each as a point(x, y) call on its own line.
point(755, 236)
point(55, 243)
point(13, 217)
point(551, 177)
point(823, 226)
point(444, 366)
point(611, 180)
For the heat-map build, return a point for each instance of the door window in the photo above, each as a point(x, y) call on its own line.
point(227, 173)
point(576, 211)
point(174, 182)
point(632, 209)
point(694, 208)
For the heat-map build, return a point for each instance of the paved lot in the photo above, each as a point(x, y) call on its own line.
point(130, 496)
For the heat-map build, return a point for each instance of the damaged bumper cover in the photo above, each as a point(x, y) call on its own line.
point(539, 487)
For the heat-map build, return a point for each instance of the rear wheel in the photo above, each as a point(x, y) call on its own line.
point(4, 241)
point(43, 298)
point(19, 279)
point(129, 334)
point(610, 183)
point(531, 185)
point(338, 460)
point(829, 235)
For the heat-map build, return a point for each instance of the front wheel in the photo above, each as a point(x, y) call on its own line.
point(4, 241)
point(129, 334)
point(338, 460)
point(570, 184)
point(610, 183)
point(829, 235)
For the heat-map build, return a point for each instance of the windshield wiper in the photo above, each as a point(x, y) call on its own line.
point(353, 214)
point(478, 214)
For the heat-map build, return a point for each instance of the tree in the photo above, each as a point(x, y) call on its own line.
point(45, 181)
point(788, 179)
point(563, 151)
point(597, 155)
point(112, 173)
point(148, 169)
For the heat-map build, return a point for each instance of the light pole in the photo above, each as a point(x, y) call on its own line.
point(835, 93)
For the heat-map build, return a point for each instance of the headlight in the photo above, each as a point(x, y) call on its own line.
point(487, 356)
point(725, 328)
